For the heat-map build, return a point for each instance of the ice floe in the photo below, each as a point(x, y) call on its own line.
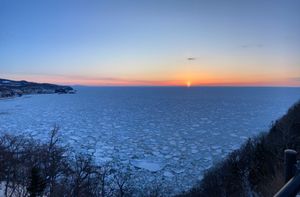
point(151, 166)
point(157, 133)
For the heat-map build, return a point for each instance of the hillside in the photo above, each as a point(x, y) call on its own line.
point(256, 169)
point(10, 88)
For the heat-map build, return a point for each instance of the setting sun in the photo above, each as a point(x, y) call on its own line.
point(188, 84)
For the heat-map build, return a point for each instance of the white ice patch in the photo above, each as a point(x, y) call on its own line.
point(168, 174)
point(152, 166)
point(178, 171)
point(104, 159)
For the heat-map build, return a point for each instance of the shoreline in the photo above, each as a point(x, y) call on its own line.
point(12, 89)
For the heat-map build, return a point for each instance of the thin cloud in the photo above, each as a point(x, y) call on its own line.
point(93, 81)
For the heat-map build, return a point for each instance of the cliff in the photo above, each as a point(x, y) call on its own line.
point(10, 88)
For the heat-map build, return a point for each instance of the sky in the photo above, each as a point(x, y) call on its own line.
point(151, 42)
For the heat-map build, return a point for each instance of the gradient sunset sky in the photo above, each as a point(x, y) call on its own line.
point(153, 42)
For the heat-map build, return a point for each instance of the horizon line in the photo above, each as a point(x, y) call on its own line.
point(182, 86)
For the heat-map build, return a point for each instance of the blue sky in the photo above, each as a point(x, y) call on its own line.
point(149, 42)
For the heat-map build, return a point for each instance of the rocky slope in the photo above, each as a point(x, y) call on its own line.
point(10, 88)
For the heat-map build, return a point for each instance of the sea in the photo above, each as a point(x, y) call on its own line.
point(170, 135)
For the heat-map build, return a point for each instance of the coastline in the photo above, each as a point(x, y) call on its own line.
point(12, 89)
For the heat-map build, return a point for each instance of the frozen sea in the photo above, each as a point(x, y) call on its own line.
point(168, 133)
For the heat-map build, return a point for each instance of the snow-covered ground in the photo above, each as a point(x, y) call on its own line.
point(170, 134)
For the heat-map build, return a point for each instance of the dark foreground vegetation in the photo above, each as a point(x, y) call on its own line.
point(33, 168)
point(256, 169)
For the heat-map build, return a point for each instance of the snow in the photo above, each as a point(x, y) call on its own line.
point(164, 132)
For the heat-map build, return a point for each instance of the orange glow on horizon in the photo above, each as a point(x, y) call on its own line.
point(206, 80)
